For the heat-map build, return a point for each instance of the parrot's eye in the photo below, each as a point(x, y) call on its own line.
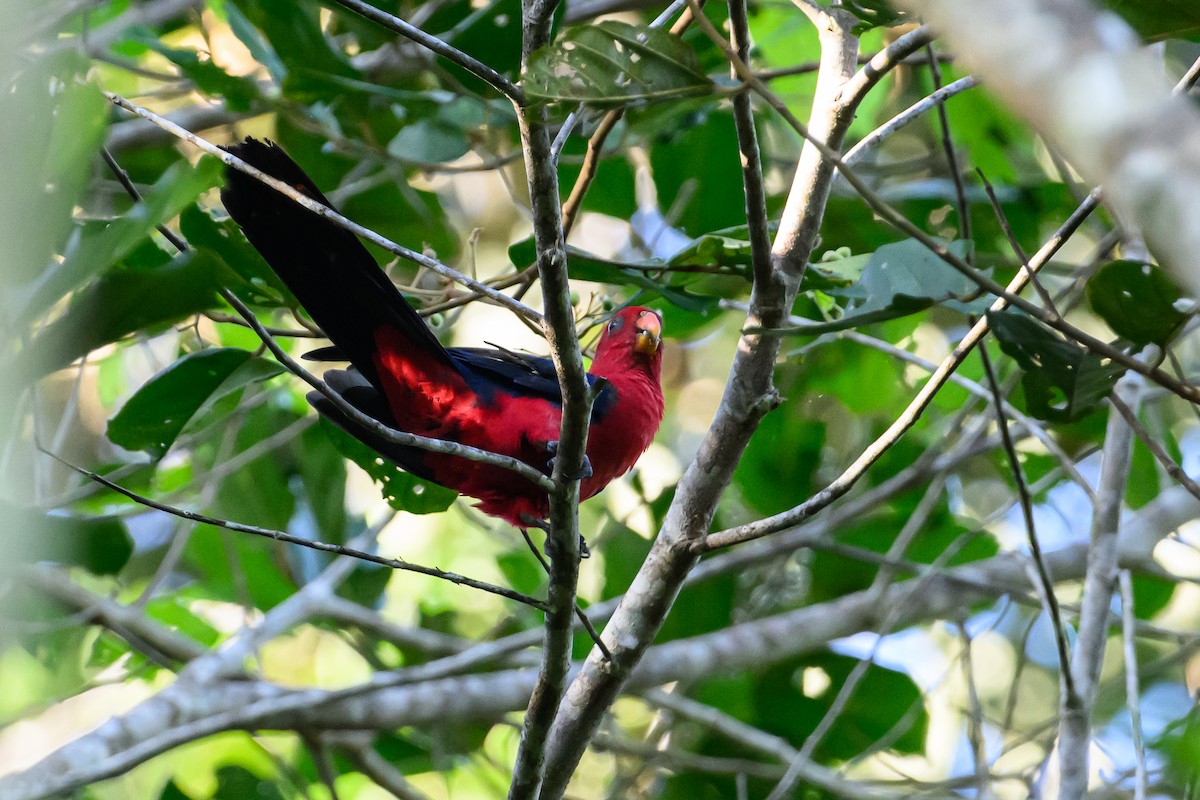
point(615, 324)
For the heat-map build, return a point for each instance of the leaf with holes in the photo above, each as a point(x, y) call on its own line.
point(1063, 381)
point(402, 490)
point(614, 63)
point(1137, 300)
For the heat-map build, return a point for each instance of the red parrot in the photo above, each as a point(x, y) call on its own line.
point(490, 398)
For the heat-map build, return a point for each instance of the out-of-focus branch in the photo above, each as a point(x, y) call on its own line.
point(1055, 59)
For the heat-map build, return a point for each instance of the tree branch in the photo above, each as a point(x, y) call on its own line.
point(1142, 143)
point(749, 394)
point(1074, 735)
point(416, 697)
point(563, 535)
point(436, 45)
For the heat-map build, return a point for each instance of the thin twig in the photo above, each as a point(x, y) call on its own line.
point(960, 192)
point(420, 259)
point(754, 192)
point(582, 617)
point(908, 115)
point(1013, 242)
point(1044, 583)
point(446, 51)
point(287, 538)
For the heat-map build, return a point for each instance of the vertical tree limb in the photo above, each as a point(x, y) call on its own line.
point(563, 535)
point(749, 394)
point(1099, 584)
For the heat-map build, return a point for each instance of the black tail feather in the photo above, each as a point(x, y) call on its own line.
point(326, 267)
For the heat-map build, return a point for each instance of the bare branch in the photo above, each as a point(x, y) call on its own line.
point(436, 45)
point(280, 536)
point(1056, 56)
point(420, 259)
point(1074, 729)
point(563, 534)
point(908, 115)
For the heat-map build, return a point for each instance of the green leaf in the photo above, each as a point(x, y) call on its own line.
point(402, 490)
point(1155, 20)
point(239, 783)
point(254, 41)
point(293, 30)
point(175, 611)
point(906, 277)
point(99, 249)
point(1063, 382)
point(160, 410)
point(1137, 300)
point(521, 571)
point(614, 63)
point(874, 14)
point(428, 141)
point(897, 280)
point(225, 242)
point(123, 301)
point(100, 545)
point(1151, 594)
point(585, 266)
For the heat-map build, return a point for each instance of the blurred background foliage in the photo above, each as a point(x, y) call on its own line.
point(121, 358)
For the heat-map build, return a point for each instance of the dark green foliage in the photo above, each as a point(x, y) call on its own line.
point(1063, 381)
point(1137, 300)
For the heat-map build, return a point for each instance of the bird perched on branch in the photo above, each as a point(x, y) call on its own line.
point(489, 398)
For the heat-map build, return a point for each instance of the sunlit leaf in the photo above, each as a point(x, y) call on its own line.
point(402, 490)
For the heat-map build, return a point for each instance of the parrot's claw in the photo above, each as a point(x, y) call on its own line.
point(584, 550)
point(585, 471)
point(544, 526)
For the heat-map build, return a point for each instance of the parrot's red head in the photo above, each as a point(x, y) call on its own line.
point(632, 339)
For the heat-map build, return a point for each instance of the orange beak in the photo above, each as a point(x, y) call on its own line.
point(649, 333)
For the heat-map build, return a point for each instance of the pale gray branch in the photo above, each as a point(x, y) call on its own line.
point(185, 712)
point(1074, 735)
point(1082, 77)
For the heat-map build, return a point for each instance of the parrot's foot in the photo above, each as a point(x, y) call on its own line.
point(585, 471)
point(543, 525)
